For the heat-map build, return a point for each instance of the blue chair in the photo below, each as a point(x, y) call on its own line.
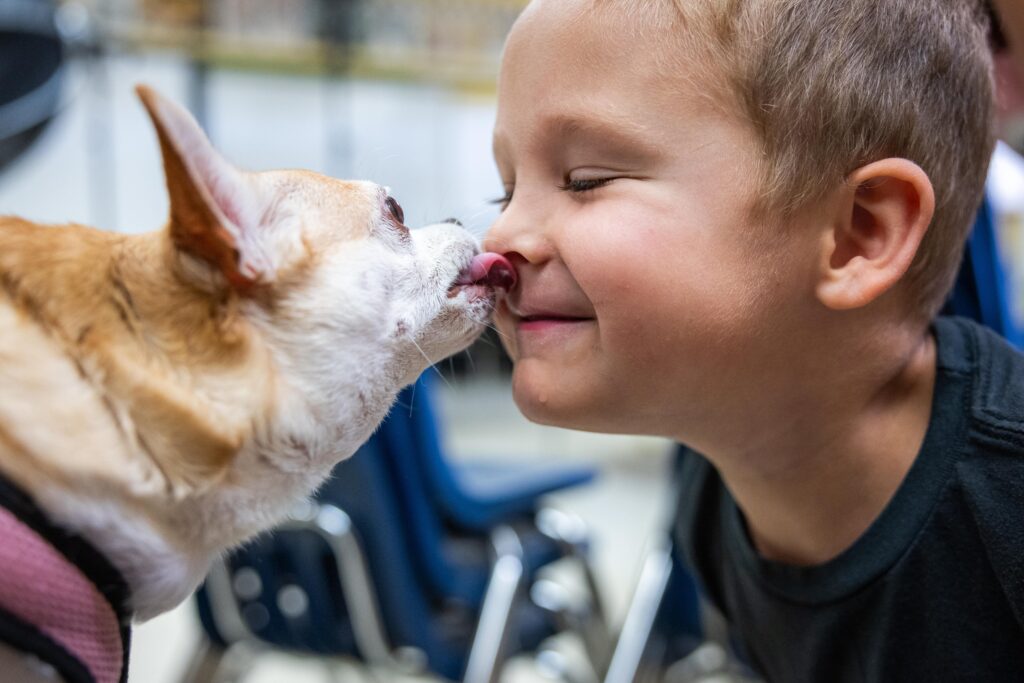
point(665, 621)
point(476, 495)
point(980, 291)
point(373, 569)
point(451, 505)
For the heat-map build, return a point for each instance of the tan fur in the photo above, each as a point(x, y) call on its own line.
point(109, 313)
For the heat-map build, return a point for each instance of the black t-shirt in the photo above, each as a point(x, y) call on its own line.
point(933, 591)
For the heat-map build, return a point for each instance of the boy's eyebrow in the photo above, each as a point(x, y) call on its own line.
point(620, 135)
point(623, 137)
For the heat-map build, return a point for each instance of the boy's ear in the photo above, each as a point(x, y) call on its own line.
point(215, 209)
point(884, 213)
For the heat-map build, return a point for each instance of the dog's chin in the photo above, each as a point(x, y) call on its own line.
point(460, 343)
point(429, 348)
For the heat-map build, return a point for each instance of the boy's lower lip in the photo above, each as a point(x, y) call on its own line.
point(542, 324)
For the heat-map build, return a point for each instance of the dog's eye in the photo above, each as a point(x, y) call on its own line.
point(396, 210)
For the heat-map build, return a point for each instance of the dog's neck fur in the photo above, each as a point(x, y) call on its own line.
point(125, 294)
point(148, 371)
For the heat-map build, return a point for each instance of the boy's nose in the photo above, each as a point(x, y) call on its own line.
point(521, 231)
point(520, 248)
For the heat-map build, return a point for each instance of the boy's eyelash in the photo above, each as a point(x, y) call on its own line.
point(585, 184)
point(503, 200)
point(578, 186)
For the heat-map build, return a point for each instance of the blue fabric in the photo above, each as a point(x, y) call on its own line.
point(363, 487)
point(678, 620)
point(450, 521)
point(980, 292)
point(478, 495)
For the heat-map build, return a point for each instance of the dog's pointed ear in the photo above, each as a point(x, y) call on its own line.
point(215, 208)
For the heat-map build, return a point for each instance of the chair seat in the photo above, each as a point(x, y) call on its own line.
point(497, 492)
point(472, 495)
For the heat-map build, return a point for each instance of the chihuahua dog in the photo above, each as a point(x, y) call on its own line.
point(165, 396)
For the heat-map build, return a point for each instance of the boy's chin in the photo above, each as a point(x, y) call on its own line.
point(539, 399)
point(557, 402)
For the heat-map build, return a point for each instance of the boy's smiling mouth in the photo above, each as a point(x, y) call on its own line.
point(536, 318)
point(539, 323)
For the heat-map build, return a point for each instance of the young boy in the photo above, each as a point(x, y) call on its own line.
point(734, 224)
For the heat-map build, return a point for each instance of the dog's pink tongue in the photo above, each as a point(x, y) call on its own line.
point(493, 270)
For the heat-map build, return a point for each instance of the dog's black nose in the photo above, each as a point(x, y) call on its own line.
point(454, 221)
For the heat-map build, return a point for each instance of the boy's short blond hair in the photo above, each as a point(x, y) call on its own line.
point(832, 85)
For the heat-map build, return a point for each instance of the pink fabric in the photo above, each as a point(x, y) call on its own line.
point(39, 585)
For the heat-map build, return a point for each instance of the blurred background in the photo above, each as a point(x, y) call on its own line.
point(401, 92)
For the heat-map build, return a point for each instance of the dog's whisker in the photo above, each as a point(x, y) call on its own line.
point(443, 378)
point(488, 342)
point(475, 216)
point(480, 233)
point(484, 209)
point(432, 365)
point(497, 331)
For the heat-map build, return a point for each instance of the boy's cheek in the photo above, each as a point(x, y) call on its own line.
point(506, 331)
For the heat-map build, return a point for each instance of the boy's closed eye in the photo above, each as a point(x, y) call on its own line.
point(577, 186)
point(594, 148)
point(504, 200)
point(582, 185)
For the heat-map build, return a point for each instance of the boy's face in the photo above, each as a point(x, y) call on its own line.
point(648, 301)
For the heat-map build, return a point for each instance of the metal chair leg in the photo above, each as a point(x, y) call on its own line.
point(632, 649)
point(204, 663)
point(572, 534)
point(213, 664)
point(334, 526)
point(487, 652)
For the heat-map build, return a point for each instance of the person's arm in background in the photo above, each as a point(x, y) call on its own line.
point(1011, 17)
point(1008, 60)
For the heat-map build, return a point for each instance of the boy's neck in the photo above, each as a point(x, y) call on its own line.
point(830, 475)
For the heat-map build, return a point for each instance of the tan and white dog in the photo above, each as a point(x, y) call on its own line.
point(167, 395)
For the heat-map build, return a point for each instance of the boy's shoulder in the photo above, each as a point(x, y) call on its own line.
point(950, 539)
point(992, 371)
point(989, 470)
point(996, 372)
point(969, 472)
